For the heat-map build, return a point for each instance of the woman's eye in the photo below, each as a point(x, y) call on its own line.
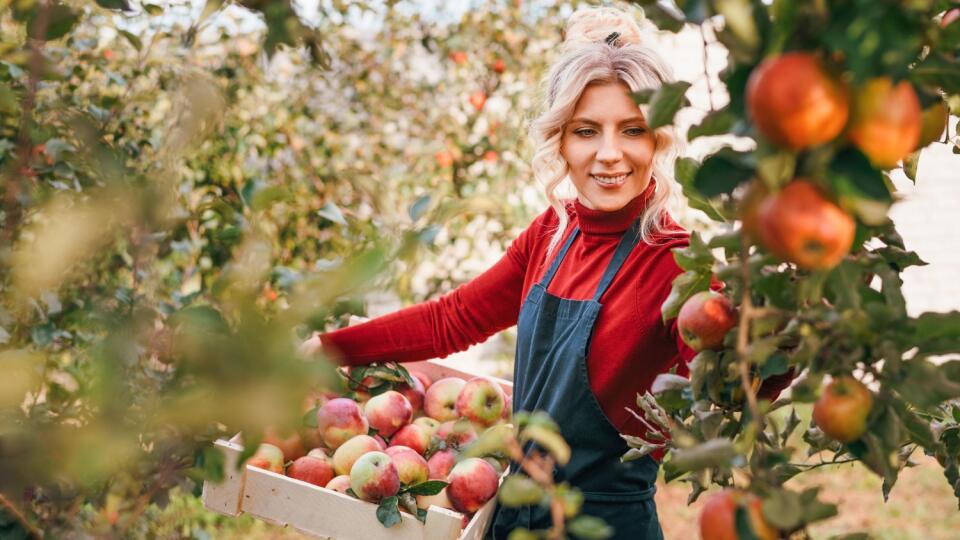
point(585, 132)
point(635, 131)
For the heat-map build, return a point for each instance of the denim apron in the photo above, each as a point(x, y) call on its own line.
point(550, 374)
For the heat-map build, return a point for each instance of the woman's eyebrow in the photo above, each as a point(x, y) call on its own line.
point(632, 119)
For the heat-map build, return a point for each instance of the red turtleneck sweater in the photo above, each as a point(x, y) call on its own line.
point(630, 346)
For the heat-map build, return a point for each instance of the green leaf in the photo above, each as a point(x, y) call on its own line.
point(331, 212)
point(665, 102)
point(938, 71)
point(844, 282)
point(590, 528)
point(153, 9)
point(927, 384)
point(663, 16)
point(852, 175)
point(743, 525)
point(782, 509)
point(684, 286)
point(685, 170)
point(134, 40)
point(722, 172)
point(430, 487)
point(715, 123)
point(264, 198)
point(695, 256)
point(213, 462)
point(550, 440)
point(120, 5)
point(776, 364)
point(718, 452)
point(42, 334)
point(61, 19)
point(520, 490)
point(813, 509)
point(388, 511)
point(310, 417)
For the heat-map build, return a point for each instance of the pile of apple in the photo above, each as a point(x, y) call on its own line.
point(400, 441)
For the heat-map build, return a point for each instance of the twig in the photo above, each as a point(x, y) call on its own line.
point(747, 312)
point(20, 517)
point(706, 70)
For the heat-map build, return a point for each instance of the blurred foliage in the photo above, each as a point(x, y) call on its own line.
point(186, 195)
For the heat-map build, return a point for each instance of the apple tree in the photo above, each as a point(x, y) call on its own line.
point(833, 97)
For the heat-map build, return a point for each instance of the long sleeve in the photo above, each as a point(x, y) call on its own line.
point(434, 329)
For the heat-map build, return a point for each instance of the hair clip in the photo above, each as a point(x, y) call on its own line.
point(612, 39)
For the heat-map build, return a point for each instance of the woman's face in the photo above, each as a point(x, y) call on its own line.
point(608, 147)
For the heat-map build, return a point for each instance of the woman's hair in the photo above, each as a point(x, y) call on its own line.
point(591, 54)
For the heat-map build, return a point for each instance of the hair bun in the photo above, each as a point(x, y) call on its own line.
point(596, 24)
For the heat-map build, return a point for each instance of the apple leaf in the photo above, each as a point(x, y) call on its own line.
point(696, 256)
point(851, 174)
point(430, 487)
point(550, 440)
point(418, 207)
point(520, 490)
point(713, 453)
point(589, 528)
point(723, 171)
point(715, 123)
point(685, 170)
point(684, 286)
point(310, 418)
point(665, 102)
point(666, 17)
point(388, 511)
point(331, 212)
point(212, 460)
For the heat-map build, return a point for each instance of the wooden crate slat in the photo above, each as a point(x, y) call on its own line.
point(224, 498)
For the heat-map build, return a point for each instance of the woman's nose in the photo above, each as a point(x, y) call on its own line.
point(609, 150)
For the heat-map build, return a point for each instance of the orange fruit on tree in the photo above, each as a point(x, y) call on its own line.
point(718, 517)
point(842, 409)
point(795, 102)
point(801, 225)
point(886, 122)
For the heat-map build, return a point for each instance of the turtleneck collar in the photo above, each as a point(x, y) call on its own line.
point(593, 222)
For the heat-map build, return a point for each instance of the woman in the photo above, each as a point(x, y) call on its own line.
point(583, 283)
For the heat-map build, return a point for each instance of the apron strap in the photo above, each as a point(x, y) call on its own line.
point(545, 282)
point(627, 242)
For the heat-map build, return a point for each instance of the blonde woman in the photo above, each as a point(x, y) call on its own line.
point(583, 283)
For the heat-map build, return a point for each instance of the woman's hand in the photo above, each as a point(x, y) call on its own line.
point(309, 348)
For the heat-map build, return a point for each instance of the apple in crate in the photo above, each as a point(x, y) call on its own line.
point(339, 483)
point(441, 399)
point(339, 420)
point(425, 380)
point(413, 436)
point(374, 477)
point(350, 451)
point(410, 465)
point(472, 483)
point(440, 499)
point(267, 457)
point(314, 468)
point(440, 464)
point(414, 393)
point(456, 434)
point(481, 400)
point(289, 442)
point(388, 412)
point(428, 423)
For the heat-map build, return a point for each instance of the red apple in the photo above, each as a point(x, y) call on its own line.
point(473, 482)
point(413, 436)
point(440, 464)
point(481, 400)
point(349, 452)
point(507, 410)
point(456, 434)
point(339, 483)
point(290, 443)
point(423, 378)
point(267, 457)
point(886, 121)
point(704, 319)
point(374, 477)
point(441, 399)
point(499, 65)
point(414, 393)
point(842, 409)
point(410, 465)
point(312, 469)
point(459, 57)
point(339, 420)
point(388, 412)
point(380, 442)
point(429, 423)
point(718, 517)
point(478, 99)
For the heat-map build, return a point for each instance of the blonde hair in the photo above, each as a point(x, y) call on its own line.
point(588, 58)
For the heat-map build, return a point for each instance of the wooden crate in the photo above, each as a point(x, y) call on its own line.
point(326, 514)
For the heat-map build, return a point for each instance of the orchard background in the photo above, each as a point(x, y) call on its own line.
point(190, 188)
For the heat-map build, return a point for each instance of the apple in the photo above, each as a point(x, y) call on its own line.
point(430, 423)
point(456, 434)
point(842, 409)
point(472, 483)
point(318, 452)
point(413, 436)
point(478, 99)
point(481, 400)
point(800, 225)
point(388, 412)
point(718, 517)
point(440, 499)
point(507, 410)
point(933, 121)
point(705, 319)
point(425, 380)
point(795, 102)
point(290, 443)
point(414, 393)
point(440, 464)
point(380, 442)
point(410, 465)
point(374, 477)
point(444, 159)
point(499, 65)
point(441, 399)
point(312, 469)
point(348, 453)
point(339, 483)
point(267, 457)
point(950, 16)
point(459, 57)
point(339, 420)
point(886, 121)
